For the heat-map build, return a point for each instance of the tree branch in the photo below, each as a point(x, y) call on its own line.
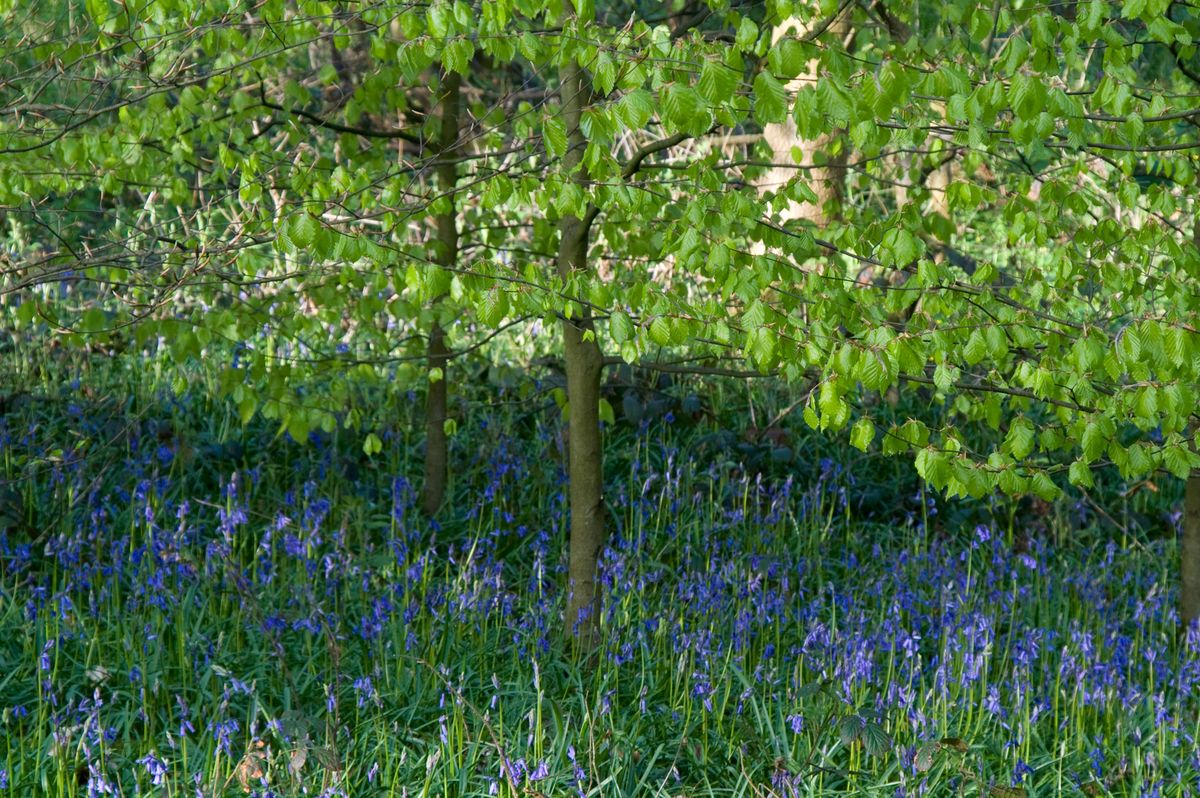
point(675, 368)
point(370, 133)
point(632, 166)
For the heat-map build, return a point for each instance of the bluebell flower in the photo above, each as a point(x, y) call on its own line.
point(155, 767)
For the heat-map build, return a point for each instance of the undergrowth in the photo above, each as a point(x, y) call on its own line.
point(190, 607)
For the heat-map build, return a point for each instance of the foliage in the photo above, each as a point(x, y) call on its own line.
point(263, 179)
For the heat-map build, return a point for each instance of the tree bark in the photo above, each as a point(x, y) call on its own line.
point(1189, 533)
point(584, 362)
point(585, 467)
point(433, 490)
point(1189, 552)
point(827, 175)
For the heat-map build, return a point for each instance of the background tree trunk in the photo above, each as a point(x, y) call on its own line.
point(584, 362)
point(433, 491)
point(826, 175)
point(1189, 534)
point(1189, 552)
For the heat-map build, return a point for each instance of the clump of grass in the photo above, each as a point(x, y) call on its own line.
point(182, 616)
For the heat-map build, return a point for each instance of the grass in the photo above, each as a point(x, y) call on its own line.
point(190, 608)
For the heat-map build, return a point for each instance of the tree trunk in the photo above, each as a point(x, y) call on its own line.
point(1189, 535)
point(585, 465)
point(1189, 552)
point(433, 491)
point(828, 179)
point(585, 470)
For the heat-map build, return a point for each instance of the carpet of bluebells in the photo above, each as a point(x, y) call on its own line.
point(275, 620)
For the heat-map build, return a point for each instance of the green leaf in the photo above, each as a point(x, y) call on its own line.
point(976, 348)
point(850, 728)
point(787, 58)
point(303, 230)
point(862, 434)
point(604, 74)
point(660, 331)
point(606, 413)
point(620, 328)
point(770, 99)
point(905, 248)
point(717, 82)
point(747, 35)
point(1131, 9)
point(439, 18)
point(810, 416)
point(554, 134)
point(876, 741)
point(1093, 442)
point(934, 466)
point(1020, 438)
point(492, 308)
point(93, 321)
point(246, 408)
point(1080, 474)
point(876, 370)
point(297, 426)
point(762, 342)
point(26, 311)
point(685, 109)
point(635, 109)
point(457, 55)
point(1178, 460)
point(1044, 486)
point(835, 411)
point(944, 377)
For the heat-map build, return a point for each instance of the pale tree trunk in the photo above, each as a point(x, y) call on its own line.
point(584, 362)
point(824, 172)
point(433, 490)
point(937, 183)
point(1189, 535)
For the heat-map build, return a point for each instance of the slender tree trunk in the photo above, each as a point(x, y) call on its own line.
point(584, 362)
point(585, 468)
point(1189, 535)
point(433, 492)
point(1189, 552)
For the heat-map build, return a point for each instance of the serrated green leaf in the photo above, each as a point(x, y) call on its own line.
point(635, 109)
point(1080, 474)
point(850, 728)
point(862, 434)
point(786, 58)
point(747, 34)
point(717, 82)
point(660, 331)
point(1020, 438)
point(770, 99)
point(1044, 486)
point(620, 327)
point(876, 741)
point(554, 134)
point(302, 230)
point(976, 348)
